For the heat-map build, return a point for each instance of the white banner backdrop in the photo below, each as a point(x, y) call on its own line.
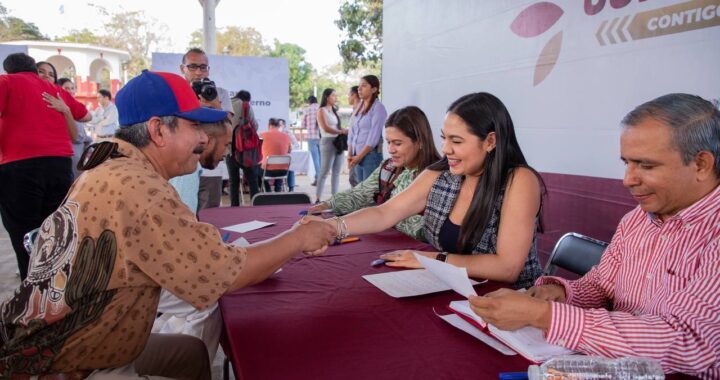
point(267, 80)
point(6, 50)
point(568, 71)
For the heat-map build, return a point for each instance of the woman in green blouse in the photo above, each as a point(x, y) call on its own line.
point(411, 148)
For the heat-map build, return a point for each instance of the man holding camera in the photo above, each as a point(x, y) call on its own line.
point(196, 71)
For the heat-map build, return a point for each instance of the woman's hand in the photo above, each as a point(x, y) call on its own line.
point(354, 160)
point(405, 258)
point(316, 209)
point(56, 103)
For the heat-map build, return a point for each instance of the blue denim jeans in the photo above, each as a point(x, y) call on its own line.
point(314, 149)
point(369, 163)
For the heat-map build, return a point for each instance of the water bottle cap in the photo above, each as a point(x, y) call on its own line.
point(534, 372)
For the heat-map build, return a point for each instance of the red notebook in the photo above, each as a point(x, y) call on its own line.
point(527, 341)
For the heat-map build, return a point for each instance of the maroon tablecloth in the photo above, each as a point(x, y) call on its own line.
point(319, 319)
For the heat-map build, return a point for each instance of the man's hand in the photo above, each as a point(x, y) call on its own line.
point(314, 236)
point(551, 292)
point(511, 310)
point(404, 258)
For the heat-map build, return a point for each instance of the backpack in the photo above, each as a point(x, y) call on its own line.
point(246, 142)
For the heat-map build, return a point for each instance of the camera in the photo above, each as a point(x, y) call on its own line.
point(206, 89)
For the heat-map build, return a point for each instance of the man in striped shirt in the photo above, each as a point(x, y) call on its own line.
point(655, 292)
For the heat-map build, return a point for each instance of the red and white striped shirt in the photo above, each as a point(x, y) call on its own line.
point(655, 293)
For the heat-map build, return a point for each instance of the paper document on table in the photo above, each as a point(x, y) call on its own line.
point(407, 283)
point(528, 341)
point(455, 277)
point(247, 227)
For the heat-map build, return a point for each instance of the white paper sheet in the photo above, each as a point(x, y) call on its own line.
point(455, 277)
point(241, 242)
point(407, 283)
point(247, 227)
point(457, 322)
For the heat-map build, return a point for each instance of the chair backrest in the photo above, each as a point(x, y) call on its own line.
point(575, 253)
point(262, 199)
point(278, 162)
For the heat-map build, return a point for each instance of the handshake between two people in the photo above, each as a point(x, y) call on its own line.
point(314, 235)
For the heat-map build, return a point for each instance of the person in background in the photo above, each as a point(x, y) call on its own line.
point(251, 172)
point(295, 145)
point(365, 138)
point(330, 128)
point(106, 120)
point(195, 68)
point(353, 101)
point(83, 140)
point(35, 165)
point(481, 203)
point(412, 148)
point(655, 292)
point(46, 71)
point(309, 123)
point(275, 143)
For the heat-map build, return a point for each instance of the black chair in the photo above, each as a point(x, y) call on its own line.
point(575, 253)
point(264, 199)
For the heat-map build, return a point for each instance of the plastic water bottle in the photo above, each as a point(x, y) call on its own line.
point(578, 367)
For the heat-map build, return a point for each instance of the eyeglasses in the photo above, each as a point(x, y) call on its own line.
point(194, 67)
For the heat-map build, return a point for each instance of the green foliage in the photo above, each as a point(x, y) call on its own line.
point(301, 71)
point(361, 22)
point(83, 36)
point(13, 28)
point(135, 32)
point(234, 40)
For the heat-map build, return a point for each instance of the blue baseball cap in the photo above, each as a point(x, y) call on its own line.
point(161, 94)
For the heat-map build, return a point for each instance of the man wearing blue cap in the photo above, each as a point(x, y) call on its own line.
point(122, 234)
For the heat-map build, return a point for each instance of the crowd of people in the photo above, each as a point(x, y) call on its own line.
point(120, 244)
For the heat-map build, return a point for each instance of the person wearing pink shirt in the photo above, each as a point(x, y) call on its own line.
point(655, 292)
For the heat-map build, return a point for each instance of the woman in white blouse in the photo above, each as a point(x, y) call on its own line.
point(330, 128)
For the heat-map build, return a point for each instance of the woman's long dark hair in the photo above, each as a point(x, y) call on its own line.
point(484, 113)
point(374, 82)
point(413, 123)
point(323, 103)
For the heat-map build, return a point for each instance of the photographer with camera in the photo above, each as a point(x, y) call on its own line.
point(196, 71)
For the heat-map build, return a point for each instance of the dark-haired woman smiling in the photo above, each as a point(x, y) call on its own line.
point(481, 203)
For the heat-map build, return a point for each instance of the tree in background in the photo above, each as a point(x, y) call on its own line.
point(234, 40)
point(135, 32)
point(13, 28)
point(300, 71)
point(132, 31)
point(83, 36)
point(361, 22)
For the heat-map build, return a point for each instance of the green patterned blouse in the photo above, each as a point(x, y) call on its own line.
point(361, 196)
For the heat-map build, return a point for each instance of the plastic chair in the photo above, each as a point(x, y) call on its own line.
point(280, 165)
point(263, 199)
point(575, 253)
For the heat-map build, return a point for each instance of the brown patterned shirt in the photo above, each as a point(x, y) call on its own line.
point(97, 267)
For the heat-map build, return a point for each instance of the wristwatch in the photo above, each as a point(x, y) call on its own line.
point(442, 256)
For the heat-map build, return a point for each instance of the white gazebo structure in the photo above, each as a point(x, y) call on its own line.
point(87, 61)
